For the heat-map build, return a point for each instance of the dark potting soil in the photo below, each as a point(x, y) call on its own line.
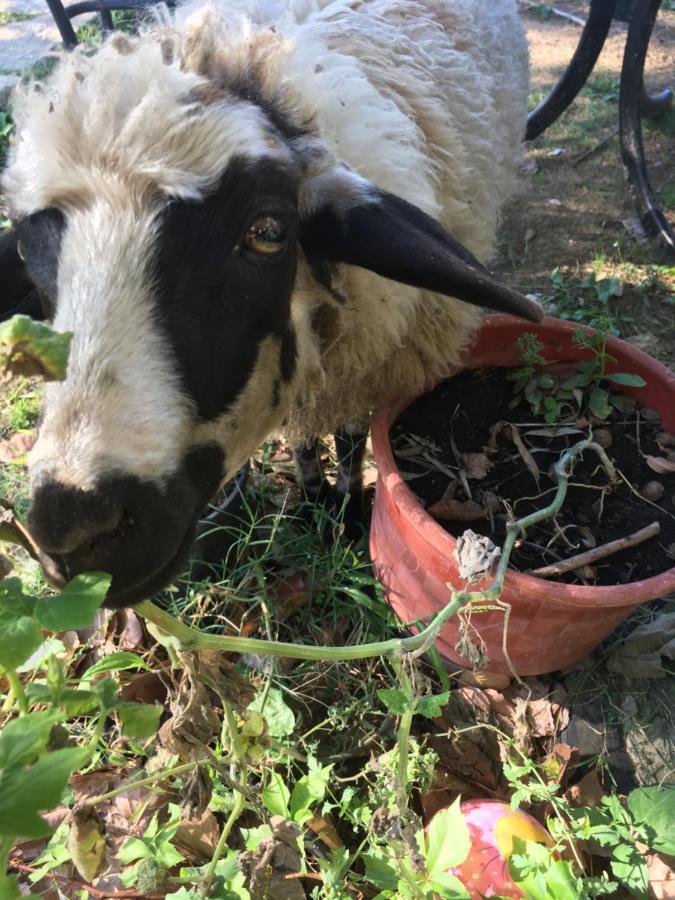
point(467, 406)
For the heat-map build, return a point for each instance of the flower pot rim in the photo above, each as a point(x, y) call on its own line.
point(611, 596)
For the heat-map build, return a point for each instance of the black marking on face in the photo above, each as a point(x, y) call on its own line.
point(137, 531)
point(247, 87)
point(288, 354)
point(276, 393)
point(18, 293)
point(39, 244)
point(215, 298)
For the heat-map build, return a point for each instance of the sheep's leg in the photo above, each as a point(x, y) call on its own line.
point(350, 447)
point(310, 474)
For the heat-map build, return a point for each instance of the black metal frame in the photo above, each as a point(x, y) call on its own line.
point(633, 99)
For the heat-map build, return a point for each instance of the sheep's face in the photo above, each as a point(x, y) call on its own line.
point(176, 281)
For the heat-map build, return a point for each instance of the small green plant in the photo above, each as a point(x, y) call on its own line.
point(584, 391)
point(648, 817)
point(531, 381)
point(593, 372)
point(543, 10)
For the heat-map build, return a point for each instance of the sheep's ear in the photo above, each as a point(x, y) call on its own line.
point(346, 219)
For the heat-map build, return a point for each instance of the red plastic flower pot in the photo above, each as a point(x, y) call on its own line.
point(552, 625)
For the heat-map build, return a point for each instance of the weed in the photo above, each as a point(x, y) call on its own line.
point(6, 17)
point(542, 10)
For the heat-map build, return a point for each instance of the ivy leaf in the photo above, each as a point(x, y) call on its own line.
point(280, 717)
point(25, 792)
point(447, 885)
point(275, 796)
point(23, 740)
point(653, 808)
point(395, 700)
point(307, 792)
point(28, 347)
point(116, 662)
point(447, 841)
point(598, 403)
point(625, 379)
point(379, 872)
point(20, 636)
point(139, 720)
point(76, 605)
point(630, 868)
point(432, 705)
point(539, 874)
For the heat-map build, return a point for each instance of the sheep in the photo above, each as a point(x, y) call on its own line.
point(255, 216)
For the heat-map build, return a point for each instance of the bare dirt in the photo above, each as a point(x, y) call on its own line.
point(574, 208)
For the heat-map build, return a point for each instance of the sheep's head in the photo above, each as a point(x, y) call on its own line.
point(162, 221)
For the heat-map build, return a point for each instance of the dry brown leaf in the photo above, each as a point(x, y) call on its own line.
point(525, 454)
point(130, 629)
point(665, 441)
point(266, 866)
point(86, 841)
point(457, 510)
point(484, 679)
point(199, 835)
point(323, 828)
point(196, 793)
point(588, 791)
point(433, 802)
point(660, 464)
point(13, 449)
point(661, 876)
point(147, 687)
point(476, 465)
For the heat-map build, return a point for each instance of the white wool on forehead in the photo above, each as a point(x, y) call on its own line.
point(124, 121)
point(121, 407)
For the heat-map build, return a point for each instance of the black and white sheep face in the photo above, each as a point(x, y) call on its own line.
point(181, 364)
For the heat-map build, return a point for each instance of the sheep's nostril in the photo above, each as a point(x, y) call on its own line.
point(81, 535)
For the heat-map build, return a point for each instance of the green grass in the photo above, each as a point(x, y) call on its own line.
point(7, 18)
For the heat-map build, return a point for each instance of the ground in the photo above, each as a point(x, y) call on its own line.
point(332, 728)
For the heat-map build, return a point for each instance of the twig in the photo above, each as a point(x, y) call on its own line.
point(90, 889)
point(595, 148)
point(14, 531)
point(591, 556)
point(570, 18)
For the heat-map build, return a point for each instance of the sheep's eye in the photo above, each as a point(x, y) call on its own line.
point(266, 236)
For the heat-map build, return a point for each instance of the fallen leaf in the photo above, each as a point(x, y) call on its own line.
point(645, 652)
point(587, 792)
point(484, 679)
point(525, 454)
point(199, 835)
point(665, 441)
point(13, 449)
point(86, 841)
point(661, 876)
point(148, 687)
point(457, 510)
point(475, 555)
point(432, 802)
point(323, 828)
point(660, 464)
point(476, 465)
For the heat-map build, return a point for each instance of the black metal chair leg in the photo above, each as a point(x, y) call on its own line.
point(63, 23)
point(575, 75)
point(630, 130)
point(106, 21)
